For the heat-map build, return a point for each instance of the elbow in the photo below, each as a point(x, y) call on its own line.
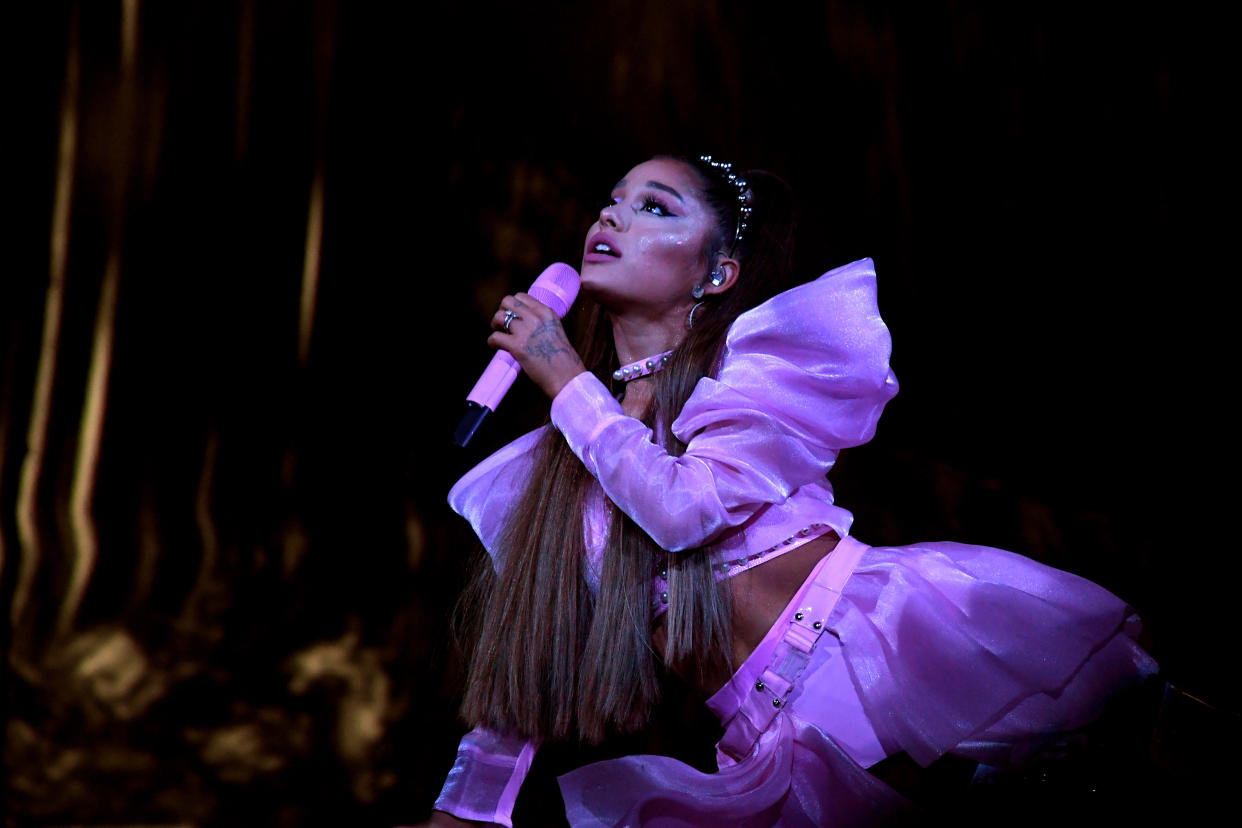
point(688, 512)
point(681, 521)
point(684, 502)
point(688, 529)
point(675, 536)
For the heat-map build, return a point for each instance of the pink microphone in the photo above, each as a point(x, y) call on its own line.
point(556, 287)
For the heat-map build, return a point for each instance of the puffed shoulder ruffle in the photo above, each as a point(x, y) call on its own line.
point(815, 358)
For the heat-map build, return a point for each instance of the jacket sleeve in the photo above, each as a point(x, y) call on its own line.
point(802, 376)
point(484, 782)
point(487, 493)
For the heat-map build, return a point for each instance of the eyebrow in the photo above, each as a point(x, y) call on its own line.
point(657, 185)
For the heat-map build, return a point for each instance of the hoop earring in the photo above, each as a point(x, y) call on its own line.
point(690, 318)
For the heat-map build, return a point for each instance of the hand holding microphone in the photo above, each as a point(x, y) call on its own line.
point(528, 329)
point(531, 333)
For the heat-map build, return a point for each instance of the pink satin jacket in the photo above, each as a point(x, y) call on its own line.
point(803, 376)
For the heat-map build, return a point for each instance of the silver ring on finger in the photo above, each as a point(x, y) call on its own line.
point(509, 317)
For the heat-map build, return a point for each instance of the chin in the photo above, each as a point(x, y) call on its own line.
point(600, 293)
point(591, 284)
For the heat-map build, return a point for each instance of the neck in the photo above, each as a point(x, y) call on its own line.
point(637, 339)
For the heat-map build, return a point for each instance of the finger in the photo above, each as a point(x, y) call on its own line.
point(530, 304)
point(503, 319)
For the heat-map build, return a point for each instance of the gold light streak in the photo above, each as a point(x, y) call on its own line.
point(6, 416)
point(90, 432)
point(129, 35)
point(150, 548)
point(324, 29)
point(206, 524)
point(90, 439)
point(53, 312)
point(310, 265)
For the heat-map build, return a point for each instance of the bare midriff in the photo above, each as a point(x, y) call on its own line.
point(760, 594)
point(763, 591)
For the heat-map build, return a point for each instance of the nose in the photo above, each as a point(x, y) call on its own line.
point(610, 216)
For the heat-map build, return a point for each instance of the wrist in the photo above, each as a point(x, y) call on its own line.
point(564, 378)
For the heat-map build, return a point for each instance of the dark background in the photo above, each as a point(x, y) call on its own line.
point(227, 399)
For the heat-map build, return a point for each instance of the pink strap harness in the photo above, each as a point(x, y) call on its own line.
point(808, 617)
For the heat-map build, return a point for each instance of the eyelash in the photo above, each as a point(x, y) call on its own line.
point(655, 202)
point(648, 202)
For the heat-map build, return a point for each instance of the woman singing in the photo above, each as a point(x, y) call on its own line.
point(675, 518)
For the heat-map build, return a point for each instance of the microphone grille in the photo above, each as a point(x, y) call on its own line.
point(556, 287)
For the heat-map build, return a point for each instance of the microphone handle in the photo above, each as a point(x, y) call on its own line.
point(486, 395)
point(470, 422)
point(495, 381)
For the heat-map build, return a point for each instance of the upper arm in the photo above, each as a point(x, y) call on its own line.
point(803, 376)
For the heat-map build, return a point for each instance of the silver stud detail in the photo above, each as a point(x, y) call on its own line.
point(797, 616)
point(643, 367)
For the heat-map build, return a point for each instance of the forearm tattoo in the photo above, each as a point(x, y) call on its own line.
point(547, 340)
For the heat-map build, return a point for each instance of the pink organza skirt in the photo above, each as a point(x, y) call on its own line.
point(928, 649)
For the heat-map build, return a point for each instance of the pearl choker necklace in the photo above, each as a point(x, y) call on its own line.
point(642, 368)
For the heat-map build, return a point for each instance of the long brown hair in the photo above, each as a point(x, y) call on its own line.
point(552, 661)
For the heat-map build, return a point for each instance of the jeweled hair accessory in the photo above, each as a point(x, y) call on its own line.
point(744, 194)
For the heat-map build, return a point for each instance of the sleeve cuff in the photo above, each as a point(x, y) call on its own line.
point(581, 411)
point(486, 777)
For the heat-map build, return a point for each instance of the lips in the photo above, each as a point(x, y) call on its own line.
point(600, 248)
